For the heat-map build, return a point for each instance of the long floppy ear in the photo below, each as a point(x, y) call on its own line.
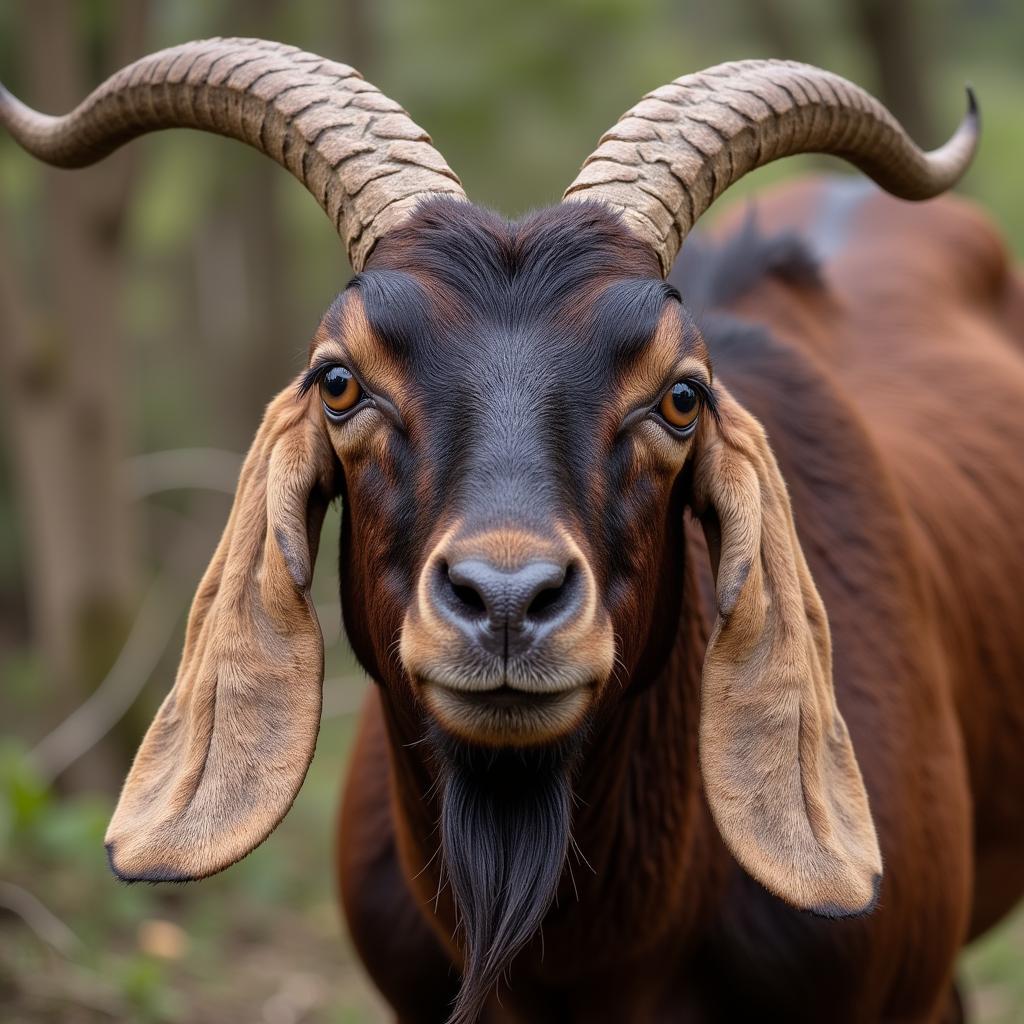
point(229, 747)
point(779, 770)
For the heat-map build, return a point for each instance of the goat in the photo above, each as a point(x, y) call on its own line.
point(624, 648)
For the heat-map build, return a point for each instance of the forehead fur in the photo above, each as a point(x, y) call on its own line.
point(478, 260)
point(459, 290)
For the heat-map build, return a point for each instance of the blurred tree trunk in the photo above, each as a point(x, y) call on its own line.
point(64, 388)
point(775, 23)
point(355, 35)
point(242, 264)
point(893, 32)
point(242, 268)
point(279, 345)
point(897, 36)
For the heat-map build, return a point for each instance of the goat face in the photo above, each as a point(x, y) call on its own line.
point(496, 396)
point(516, 416)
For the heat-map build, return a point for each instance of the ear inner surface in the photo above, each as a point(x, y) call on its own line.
point(230, 746)
point(779, 769)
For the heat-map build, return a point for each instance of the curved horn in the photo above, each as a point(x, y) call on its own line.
point(669, 157)
point(360, 155)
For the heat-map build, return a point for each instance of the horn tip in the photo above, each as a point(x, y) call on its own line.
point(973, 108)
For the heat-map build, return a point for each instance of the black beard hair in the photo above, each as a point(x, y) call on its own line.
point(506, 818)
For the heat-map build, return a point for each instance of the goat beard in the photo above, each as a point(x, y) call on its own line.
point(505, 830)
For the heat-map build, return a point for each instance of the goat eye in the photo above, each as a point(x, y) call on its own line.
point(339, 390)
point(681, 406)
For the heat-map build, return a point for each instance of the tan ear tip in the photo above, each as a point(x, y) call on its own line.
point(151, 873)
point(836, 910)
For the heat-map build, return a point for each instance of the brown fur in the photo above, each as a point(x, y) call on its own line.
point(892, 400)
point(889, 495)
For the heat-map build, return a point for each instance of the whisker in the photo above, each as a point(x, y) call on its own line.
point(572, 877)
point(579, 853)
point(433, 857)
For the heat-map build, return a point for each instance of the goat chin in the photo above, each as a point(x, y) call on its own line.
point(505, 826)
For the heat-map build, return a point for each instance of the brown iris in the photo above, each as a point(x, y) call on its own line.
point(681, 406)
point(339, 390)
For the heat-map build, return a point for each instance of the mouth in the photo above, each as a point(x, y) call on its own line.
point(506, 716)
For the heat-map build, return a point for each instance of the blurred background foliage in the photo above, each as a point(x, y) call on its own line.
point(151, 306)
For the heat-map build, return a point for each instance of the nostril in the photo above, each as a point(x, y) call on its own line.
point(549, 601)
point(492, 601)
point(469, 597)
point(459, 593)
point(543, 601)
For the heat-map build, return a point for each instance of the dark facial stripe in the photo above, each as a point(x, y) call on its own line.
point(397, 309)
point(626, 315)
point(512, 339)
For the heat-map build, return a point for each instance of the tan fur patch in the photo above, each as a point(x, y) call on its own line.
point(360, 347)
point(507, 548)
point(779, 770)
point(229, 747)
point(580, 657)
point(660, 363)
point(364, 436)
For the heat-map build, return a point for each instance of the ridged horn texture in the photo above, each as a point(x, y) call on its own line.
point(669, 157)
point(360, 155)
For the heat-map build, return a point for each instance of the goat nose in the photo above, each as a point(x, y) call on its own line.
point(504, 609)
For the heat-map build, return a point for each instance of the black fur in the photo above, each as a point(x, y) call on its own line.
point(712, 275)
point(505, 825)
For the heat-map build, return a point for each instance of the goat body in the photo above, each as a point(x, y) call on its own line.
point(643, 786)
point(891, 387)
